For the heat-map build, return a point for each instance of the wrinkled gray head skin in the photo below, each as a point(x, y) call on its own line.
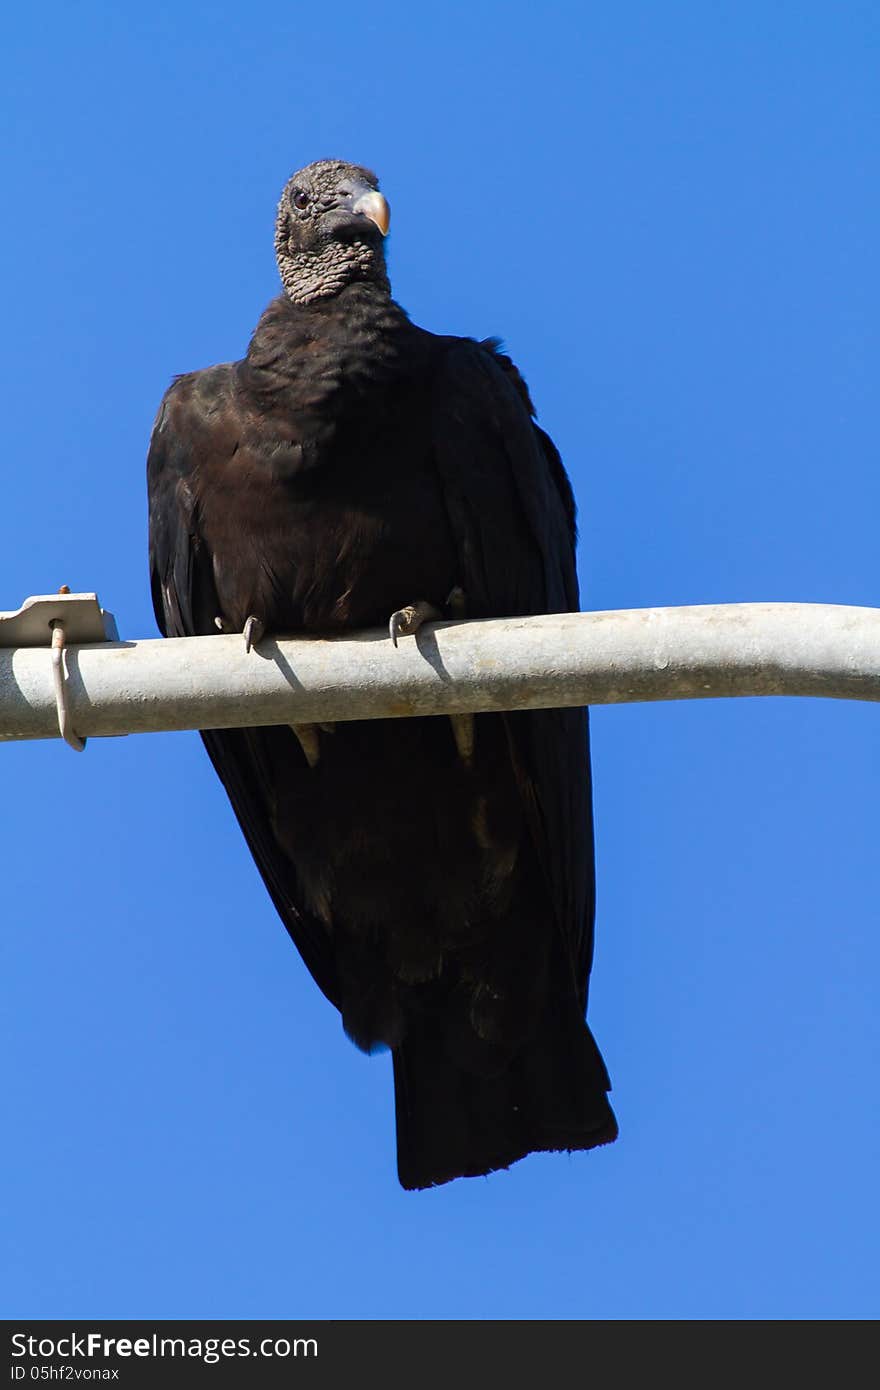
point(329, 230)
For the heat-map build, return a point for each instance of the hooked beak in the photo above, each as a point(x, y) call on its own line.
point(371, 204)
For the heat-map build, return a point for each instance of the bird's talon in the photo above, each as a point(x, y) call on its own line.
point(309, 742)
point(463, 733)
point(253, 632)
point(407, 621)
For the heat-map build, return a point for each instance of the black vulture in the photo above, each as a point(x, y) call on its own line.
point(436, 874)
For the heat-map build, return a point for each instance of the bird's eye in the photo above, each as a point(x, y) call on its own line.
point(299, 198)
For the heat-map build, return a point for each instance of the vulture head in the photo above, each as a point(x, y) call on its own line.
point(329, 230)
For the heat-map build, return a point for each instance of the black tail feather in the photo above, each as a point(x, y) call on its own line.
point(453, 1123)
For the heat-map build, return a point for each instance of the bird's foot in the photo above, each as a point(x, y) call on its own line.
point(309, 742)
point(253, 629)
point(463, 733)
point(253, 632)
point(407, 621)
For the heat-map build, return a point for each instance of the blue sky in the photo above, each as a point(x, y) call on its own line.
point(671, 215)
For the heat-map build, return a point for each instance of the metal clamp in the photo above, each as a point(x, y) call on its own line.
point(77, 618)
point(59, 678)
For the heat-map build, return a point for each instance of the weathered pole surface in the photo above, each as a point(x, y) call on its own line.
point(512, 663)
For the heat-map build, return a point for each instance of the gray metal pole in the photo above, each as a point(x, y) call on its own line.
point(512, 663)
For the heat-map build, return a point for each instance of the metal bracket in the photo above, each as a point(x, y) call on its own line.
point(54, 620)
point(83, 617)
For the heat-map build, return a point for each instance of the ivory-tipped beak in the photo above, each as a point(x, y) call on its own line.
point(374, 206)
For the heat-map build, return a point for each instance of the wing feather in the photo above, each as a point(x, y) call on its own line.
point(249, 762)
point(512, 511)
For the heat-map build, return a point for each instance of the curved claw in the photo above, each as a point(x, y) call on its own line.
point(253, 632)
point(395, 626)
point(407, 621)
point(463, 733)
point(309, 742)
